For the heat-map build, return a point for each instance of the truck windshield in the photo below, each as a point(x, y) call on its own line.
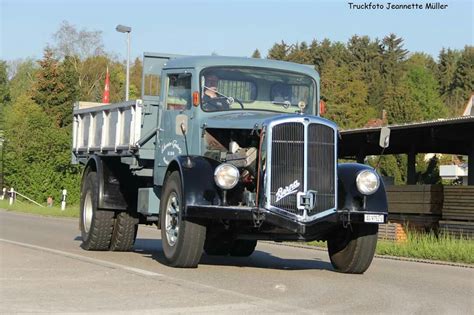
point(232, 88)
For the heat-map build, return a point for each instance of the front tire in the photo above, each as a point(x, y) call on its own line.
point(96, 225)
point(352, 249)
point(182, 241)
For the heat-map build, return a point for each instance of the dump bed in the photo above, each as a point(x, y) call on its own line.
point(106, 129)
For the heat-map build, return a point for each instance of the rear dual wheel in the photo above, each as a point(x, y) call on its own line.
point(102, 229)
point(236, 248)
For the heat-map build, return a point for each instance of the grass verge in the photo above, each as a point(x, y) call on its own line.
point(419, 245)
point(70, 212)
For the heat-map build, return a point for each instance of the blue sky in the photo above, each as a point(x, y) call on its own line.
point(232, 28)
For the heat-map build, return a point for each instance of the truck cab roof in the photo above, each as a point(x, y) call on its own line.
point(201, 62)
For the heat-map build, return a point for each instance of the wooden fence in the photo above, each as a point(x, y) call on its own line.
point(430, 207)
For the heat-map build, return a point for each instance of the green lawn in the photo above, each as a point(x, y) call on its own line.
point(72, 211)
point(426, 246)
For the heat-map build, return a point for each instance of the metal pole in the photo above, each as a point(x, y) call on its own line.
point(128, 66)
point(12, 196)
point(63, 200)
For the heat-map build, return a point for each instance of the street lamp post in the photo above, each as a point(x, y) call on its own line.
point(128, 30)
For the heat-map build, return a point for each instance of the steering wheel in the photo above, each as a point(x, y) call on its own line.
point(216, 103)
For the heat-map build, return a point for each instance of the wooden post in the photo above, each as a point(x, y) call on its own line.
point(470, 167)
point(411, 168)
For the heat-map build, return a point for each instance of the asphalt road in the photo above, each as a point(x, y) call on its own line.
point(43, 269)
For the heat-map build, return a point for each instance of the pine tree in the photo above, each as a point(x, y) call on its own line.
point(393, 56)
point(447, 65)
point(464, 77)
point(278, 51)
point(56, 88)
point(256, 54)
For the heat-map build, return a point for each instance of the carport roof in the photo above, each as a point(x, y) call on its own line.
point(449, 136)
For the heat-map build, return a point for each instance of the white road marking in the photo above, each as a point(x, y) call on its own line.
point(103, 263)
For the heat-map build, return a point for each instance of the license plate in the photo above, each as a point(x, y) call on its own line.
point(373, 218)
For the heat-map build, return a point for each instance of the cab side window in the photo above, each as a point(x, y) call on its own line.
point(179, 92)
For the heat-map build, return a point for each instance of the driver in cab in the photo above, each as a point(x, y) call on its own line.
point(211, 100)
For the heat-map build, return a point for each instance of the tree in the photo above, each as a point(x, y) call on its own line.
point(423, 90)
point(464, 77)
point(447, 65)
point(79, 46)
point(136, 71)
point(256, 54)
point(345, 95)
point(37, 158)
point(55, 88)
point(4, 89)
point(23, 76)
point(278, 51)
point(393, 56)
point(400, 105)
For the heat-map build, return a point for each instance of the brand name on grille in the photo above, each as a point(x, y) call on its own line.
point(288, 190)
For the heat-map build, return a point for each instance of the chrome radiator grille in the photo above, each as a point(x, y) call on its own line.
point(321, 166)
point(291, 144)
point(287, 163)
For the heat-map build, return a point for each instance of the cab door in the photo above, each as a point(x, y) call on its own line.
point(177, 109)
point(152, 97)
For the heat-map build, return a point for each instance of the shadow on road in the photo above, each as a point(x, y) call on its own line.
point(152, 248)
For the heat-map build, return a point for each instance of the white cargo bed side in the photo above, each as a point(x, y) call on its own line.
point(106, 128)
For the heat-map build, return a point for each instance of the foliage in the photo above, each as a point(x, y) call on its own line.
point(23, 76)
point(37, 156)
point(55, 88)
point(256, 54)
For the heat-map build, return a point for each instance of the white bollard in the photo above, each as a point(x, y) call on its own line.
point(12, 196)
point(63, 200)
point(4, 192)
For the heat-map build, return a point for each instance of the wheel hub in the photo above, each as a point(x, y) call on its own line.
point(87, 212)
point(172, 219)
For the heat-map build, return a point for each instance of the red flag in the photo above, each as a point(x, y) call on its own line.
point(106, 97)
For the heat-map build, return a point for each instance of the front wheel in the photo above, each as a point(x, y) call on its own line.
point(183, 241)
point(352, 249)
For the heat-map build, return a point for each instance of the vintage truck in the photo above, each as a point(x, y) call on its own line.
point(221, 152)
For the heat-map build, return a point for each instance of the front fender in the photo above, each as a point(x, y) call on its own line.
point(349, 197)
point(197, 181)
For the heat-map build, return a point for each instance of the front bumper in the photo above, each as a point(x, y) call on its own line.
point(258, 216)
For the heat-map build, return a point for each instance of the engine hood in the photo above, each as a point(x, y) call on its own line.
point(239, 120)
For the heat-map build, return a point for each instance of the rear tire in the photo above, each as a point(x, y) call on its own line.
point(96, 225)
point(243, 248)
point(182, 241)
point(125, 232)
point(352, 249)
point(215, 247)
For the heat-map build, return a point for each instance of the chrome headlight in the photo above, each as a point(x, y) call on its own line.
point(367, 182)
point(226, 176)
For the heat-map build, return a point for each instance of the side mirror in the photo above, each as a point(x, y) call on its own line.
point(384, 140)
